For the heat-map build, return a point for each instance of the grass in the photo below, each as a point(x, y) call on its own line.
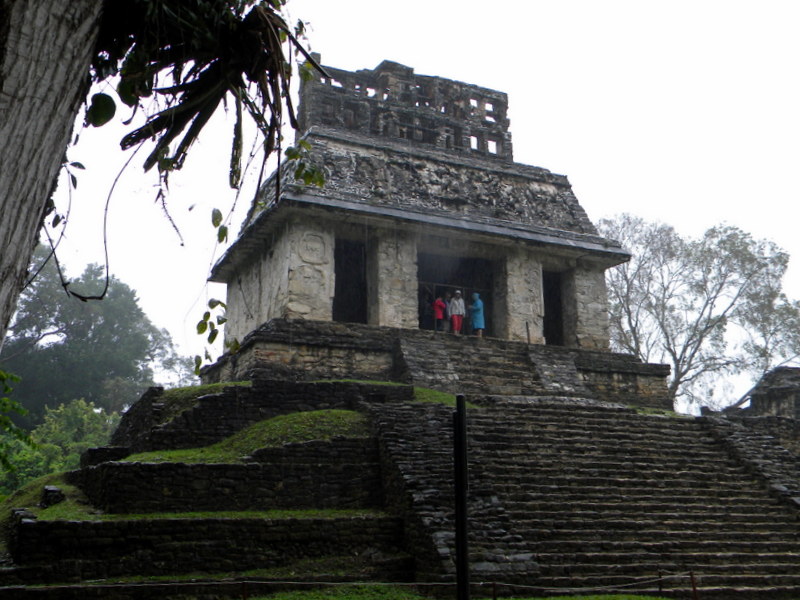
point(284, 429)
point(177, 400)
point(421, 394)
point(29, 495)
point(392, 592)
point(659, 412)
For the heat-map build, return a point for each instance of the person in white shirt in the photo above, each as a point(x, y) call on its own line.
point(457, 312)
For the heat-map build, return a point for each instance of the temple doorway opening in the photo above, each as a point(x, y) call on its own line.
point(552, 293)
point(441, 274)
point(350, 289)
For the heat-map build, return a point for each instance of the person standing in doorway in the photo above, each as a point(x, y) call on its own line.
point(439, 309)
point(476, 315)
point(448, 298)
point(457, 312)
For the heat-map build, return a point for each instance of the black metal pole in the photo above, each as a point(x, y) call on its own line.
point(461, 485)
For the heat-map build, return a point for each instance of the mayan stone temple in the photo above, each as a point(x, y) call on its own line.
point(581, 480)
point(422, 198)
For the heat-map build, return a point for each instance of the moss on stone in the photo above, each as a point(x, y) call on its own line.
point(177, 400)
point(277, 431)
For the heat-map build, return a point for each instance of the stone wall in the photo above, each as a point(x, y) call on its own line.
point(415, 445)
point(761, 455)
point(393, 102)
point(292, 277)
point(622, 378)
point(218, 416)
point(339, 474)
point(310, 349)
point(101, 549)
point(785, 430)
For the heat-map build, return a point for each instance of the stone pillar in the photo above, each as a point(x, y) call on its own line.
point(524, 308)
point(589, 298)
point(309, 272)
point(392, 284)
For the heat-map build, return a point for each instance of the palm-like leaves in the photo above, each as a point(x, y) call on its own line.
point(213, 51)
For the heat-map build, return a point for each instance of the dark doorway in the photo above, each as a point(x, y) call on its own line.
point(439, 274)
point(552, 284)
point(350, 292)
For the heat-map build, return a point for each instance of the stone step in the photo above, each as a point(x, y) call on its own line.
point(641, 522)
point(511, 462)
point(666, 547)
point(547, 444)
point(627, 531)
point(734, 583)
point(769, 515)
point(640, 504)
point(534, 419)
point(689, 483)
point(602, 428)
point(751, 562)
point(600, 436)
point(509, 471)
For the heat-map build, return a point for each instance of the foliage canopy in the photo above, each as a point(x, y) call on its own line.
point(64, 349)
point(65, 433)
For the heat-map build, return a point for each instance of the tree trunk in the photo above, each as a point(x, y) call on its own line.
point(45, 51)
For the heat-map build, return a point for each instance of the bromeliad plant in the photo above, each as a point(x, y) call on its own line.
point(186, 57)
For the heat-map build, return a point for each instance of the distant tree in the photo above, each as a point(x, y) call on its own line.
point(64, 349)
point(65, 433)
point(708, 306)
point(10, 432)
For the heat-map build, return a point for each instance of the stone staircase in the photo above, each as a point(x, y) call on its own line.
point(604, 497)
point(470, 365)
point(566, 495)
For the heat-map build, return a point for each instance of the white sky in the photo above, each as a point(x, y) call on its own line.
point(686, 112)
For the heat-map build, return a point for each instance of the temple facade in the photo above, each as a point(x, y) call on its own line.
point(421, 197)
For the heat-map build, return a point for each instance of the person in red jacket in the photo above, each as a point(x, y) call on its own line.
point(439, 308)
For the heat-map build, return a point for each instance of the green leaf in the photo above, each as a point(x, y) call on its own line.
point(306, 71)
point(73, 180)
point(214, 303)
point(216, 217)
point(197, 363)
point(213, 335)
point(77, 165)
point(206, 316)
point(101, 110)
point(202, 326)
point(222, 234)
point(127, 91)
point(233, 345)
point(56, 220)
point(221, 320)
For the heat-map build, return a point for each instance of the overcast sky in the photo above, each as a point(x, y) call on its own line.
point(685, 112)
